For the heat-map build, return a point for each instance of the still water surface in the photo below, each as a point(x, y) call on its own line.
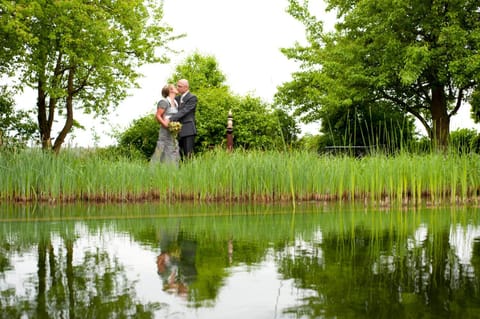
point(238, 261)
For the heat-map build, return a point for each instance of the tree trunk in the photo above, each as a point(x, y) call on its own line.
point(440, 118)
point(41, 311)
point(70, 279)
point(69, 121)
point(42, 117)
point(46, 112)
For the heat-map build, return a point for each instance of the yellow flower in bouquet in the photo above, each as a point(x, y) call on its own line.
point(174, 128)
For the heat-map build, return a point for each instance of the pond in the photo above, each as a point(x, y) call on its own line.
point(238, 261)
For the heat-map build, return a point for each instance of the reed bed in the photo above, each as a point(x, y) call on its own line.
point(33, 175)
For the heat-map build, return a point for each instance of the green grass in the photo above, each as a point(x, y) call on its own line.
point(33, 175)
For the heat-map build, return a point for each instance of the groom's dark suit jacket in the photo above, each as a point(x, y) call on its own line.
point(186, 114)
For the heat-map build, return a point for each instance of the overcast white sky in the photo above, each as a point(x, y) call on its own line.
point(244, 36)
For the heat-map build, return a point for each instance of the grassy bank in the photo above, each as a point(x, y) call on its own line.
point(241, 176)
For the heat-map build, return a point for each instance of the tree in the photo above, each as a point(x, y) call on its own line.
point(258, 126)
point(16, 127)
point(202, 72)
point(79, 54)
point(422, 57)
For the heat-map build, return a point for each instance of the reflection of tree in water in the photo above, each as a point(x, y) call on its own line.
point(378, 276)
point(96, 288)
point(476, 261)
point(4, 261)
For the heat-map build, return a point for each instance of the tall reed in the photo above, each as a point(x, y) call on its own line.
point(241, 176)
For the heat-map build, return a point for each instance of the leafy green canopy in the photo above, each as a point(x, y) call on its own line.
point(16, 127)
point(79, 54)
point(421, 57)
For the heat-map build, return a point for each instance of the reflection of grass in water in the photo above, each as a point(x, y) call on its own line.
point(241, 176)
point(249, 222)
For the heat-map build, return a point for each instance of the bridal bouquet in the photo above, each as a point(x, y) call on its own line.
point(174, 128)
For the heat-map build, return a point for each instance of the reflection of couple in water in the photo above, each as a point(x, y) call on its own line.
point(176, 265)
point(167, 268)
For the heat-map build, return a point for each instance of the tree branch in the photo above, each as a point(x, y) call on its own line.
point(458, 104)
point(410, 110)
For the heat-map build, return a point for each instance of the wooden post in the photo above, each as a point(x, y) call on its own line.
point(230, 131)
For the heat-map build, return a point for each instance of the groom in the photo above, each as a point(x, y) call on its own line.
point(187, 103)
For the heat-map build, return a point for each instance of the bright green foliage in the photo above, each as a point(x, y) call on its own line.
point(141, 136)
point(258, 127)
point(475, 144)
point(202, 72)
point(310, 143)
point(420, 57)
point(464, 141)
point(79, 54)
point(16, 127)
point(475, 102)
point(255, 126)
point(211, 117)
